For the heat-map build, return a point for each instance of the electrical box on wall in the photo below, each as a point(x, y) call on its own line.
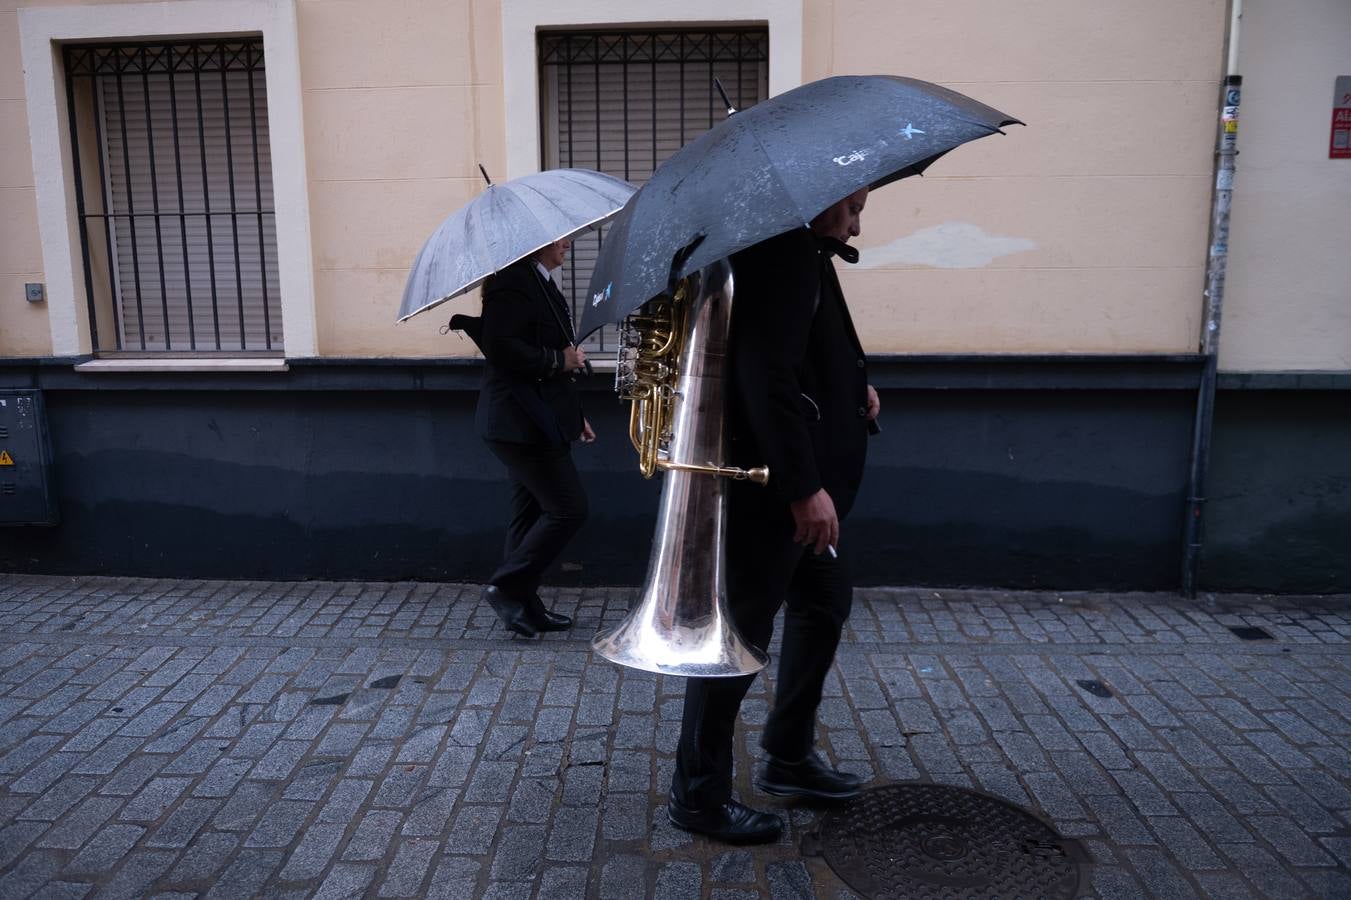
point(27, 496)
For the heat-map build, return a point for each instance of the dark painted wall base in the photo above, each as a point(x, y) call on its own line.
point(1278, 516)
point(1051, 472)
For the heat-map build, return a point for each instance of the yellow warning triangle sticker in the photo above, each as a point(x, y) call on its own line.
point(5, 458)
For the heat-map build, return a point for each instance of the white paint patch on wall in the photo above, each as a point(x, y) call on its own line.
point(952, 245)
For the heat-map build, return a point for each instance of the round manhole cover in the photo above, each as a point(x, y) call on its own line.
point(932, 840)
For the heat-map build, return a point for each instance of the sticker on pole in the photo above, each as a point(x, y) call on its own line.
point(5, 458)
point(1339, 146)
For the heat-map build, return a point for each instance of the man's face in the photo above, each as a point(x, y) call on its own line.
point(552, 256)
point(841, 221)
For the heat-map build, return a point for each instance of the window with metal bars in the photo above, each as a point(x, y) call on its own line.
point(173, 185)
point(621, 102)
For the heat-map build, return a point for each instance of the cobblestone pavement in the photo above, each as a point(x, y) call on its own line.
point(230, 739)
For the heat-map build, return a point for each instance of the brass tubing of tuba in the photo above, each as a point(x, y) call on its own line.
point(680, 624)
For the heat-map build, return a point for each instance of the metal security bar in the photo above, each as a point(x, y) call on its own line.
point(622, 102)
point(173, 189)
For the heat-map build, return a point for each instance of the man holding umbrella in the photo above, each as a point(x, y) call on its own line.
point(509, 238)
point(799, 400)
point(529, 413)
point(801, 403)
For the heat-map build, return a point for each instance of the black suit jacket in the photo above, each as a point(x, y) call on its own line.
point(525, 396)
point(799, 393)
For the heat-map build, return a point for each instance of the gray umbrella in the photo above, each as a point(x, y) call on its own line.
point(772, 168)
point(505, 223)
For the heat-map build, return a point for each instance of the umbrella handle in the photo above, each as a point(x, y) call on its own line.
point(678, 261)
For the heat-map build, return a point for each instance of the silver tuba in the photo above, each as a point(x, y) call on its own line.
point(672, 366)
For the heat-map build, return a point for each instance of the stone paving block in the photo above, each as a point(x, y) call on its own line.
point(59, 798)
point(183, 823)
point(315, 851)
point(1263, 871)
point(491, 781)
point(454, 764)
point(41, 776)
point(454, 878)
point(532, 801)
point(623, 876)
point(789, 881)
point(312, 780)
point(409, 869)
point(279, 761)
point(151, 802)
point(65, 890)
point(372, 759)
point(15, 838)
point(205, 858)
point(220, 780)
point(572, 835)
point(137, 872)
point(563, 883)
point(373, 835)
point(279, 824)
point(677, 880)
point(431, 811)
point(133, 776)
point(1311, 815)
point(474, 829)
point(30, 874)
point(92, 735)
point(1223, 886)
point(582, 785)
point(346, 880)
point(1185, 843)
point(1290, 841)
point(519, 853)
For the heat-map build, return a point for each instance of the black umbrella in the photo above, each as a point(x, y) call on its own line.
point(771, 168)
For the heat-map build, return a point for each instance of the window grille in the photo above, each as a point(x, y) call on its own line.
point(173, 184)
point(621, 102)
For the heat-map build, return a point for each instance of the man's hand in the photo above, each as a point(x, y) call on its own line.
point(816, 522)
point(588, 435)
point(574, 359)
point(874, 404)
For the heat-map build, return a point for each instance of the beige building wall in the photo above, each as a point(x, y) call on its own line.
point(402, 100)
point(23, 326)
point(1288, 292)
point(1084, 232)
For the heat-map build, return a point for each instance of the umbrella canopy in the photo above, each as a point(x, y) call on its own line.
point(772, 168)
point(507, 222)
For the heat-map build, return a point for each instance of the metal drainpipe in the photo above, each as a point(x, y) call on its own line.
point(1214, 302)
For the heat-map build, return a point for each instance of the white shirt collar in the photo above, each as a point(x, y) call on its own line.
point(543, 271)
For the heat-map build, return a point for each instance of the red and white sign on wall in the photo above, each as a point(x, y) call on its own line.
point(1340, 145)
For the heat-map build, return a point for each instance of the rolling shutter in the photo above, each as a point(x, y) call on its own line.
point(189, 143)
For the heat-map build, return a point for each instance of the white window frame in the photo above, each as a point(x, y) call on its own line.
point(521, 19)
point(43, 30)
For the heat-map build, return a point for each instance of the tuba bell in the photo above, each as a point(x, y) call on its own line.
point(672, 367)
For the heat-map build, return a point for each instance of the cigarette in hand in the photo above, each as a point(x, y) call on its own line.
point(833, 554)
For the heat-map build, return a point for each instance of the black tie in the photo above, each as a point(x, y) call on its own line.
point(562, 303)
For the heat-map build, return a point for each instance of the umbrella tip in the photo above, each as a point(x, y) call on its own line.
point(485, 174)
point(731, 110)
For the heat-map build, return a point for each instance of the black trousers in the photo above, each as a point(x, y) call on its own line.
point(548, 507)
point(765, 570)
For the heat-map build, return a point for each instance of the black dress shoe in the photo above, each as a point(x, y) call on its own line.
point(545, 619)
point(731, 823)
point(810, 778)
point(511, 611)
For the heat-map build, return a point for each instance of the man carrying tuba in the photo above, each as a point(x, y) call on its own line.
point(799, 402)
